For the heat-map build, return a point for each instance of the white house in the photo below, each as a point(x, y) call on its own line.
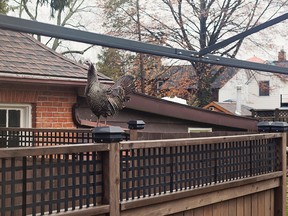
point(256, 89)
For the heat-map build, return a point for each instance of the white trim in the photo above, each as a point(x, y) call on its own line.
point(25, 113)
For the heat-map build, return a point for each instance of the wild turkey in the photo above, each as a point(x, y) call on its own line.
point(106, 101)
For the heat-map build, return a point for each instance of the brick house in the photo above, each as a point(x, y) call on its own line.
point(42, 89)
point(38, 87)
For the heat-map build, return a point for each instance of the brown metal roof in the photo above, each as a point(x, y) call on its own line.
point(158, 106)
point(22, 56)
point(148, 104)
point(229, 108)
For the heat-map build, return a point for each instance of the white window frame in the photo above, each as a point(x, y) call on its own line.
point(25, 113)
point(159, 84)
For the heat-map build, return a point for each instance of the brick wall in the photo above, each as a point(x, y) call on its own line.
point(51, 105)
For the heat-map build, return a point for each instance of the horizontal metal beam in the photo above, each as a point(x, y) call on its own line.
point(33, 27)
point(243, 34)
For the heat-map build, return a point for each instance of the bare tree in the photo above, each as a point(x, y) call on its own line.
point(66, 13)
point(195, 25)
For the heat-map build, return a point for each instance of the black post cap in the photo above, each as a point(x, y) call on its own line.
point(136, 124)
point(108, 134)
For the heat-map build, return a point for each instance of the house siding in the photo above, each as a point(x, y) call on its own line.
point(250, 89)
point(51, 105)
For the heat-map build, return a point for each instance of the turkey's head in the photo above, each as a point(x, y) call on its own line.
point(88, 63)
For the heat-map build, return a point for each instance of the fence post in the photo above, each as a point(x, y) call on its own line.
point(253, 113)
point(280, 192)
point(111, 178)
point(276, 114)
point(133, 134)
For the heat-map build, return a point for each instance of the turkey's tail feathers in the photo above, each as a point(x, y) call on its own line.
point(127, 83)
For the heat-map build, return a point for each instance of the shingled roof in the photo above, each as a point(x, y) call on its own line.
point(22, 56)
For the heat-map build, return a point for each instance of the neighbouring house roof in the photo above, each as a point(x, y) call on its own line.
point(256, 60)
point(161, 107)
point(22, 56)
point(228, 108)
point(281, 64)
point(175, 76)
point(229, 72)
point(224, 77)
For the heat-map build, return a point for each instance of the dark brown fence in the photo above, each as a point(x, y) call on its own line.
point(24, 137)
point(140, 135)
point(126, 178)
point(39, 180)
point(271, 115)
point(148, 169)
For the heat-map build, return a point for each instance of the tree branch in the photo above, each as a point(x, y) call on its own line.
point(77, 51)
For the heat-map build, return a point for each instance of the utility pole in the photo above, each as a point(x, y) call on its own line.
point(141, 61)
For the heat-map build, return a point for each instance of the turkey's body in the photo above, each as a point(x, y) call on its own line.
point(106, 102)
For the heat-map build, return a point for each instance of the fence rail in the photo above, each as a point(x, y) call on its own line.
point(120, 178)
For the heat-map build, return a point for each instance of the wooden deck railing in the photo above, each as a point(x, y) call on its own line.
point(271, 115)
point(154, 177)
point(150, 168)
point(39, 180)
point(25, 137)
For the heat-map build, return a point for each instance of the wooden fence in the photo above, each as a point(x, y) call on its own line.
point(271, 115)
point(231, 175)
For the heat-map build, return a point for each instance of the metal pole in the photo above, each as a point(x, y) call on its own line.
point(243, 34)
point(28, 26)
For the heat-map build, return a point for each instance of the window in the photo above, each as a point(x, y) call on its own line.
point(13, 115)
point(211, 108)
point(264, 88)
point(159, 84)
point(198, 130)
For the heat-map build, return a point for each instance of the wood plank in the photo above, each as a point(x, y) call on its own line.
point(254, 198)
point(280, 193)
point(189, 193)
point(104, 156)
point(267, 205)
point(46, 150)
point(232, 207)
point(199, 212)
point(178, 214)
point(272, 201)
point(188, 213)
point(114, 179)
point(201, 200)
point(99, 210)
point(217, 207)
point(127, 145)
point(248, 205)
point(261, 203)
point(240, 206)
point(225, 208)
point(208, 210)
